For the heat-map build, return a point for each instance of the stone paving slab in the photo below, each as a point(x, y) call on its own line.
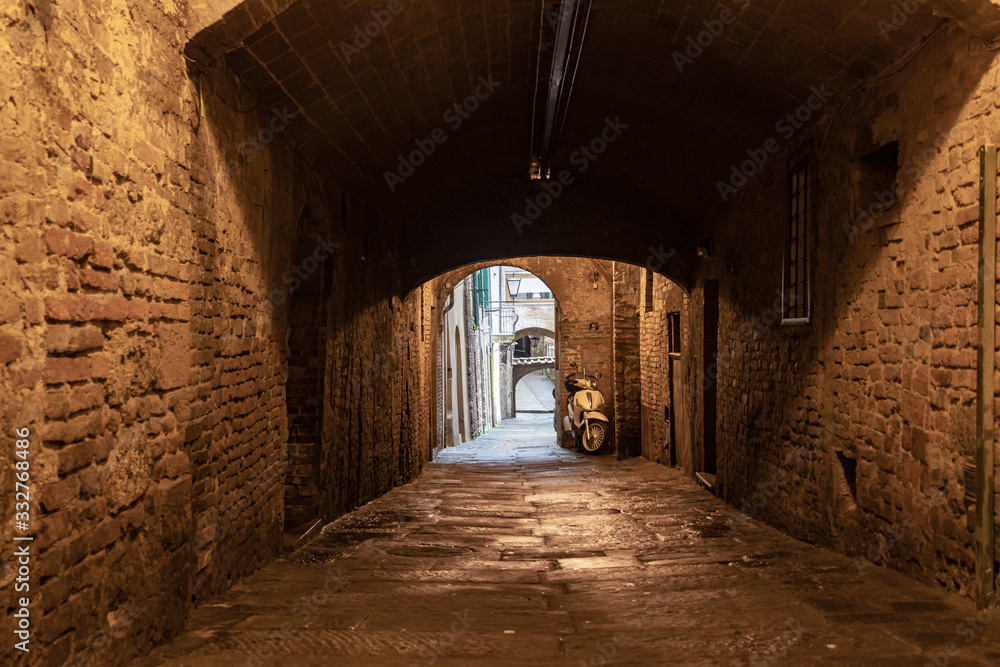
point(513, 551)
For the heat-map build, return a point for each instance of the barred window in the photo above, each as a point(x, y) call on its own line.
point(796, 260)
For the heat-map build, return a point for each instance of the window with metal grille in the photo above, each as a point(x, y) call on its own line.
point(796, 261)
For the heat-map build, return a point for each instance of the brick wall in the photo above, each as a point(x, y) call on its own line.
point(659, 444)
point(147, 221)
point(627, 375)
point(307, 322)
point(376, 416)
point(854, 430)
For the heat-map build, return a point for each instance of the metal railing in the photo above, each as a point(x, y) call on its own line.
point(501, 318)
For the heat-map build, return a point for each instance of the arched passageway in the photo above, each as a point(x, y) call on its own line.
point(533, 388)
point(536, 332)
point(537, 392)
point(230, 229)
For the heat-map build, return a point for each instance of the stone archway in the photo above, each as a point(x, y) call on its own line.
point(534, 331)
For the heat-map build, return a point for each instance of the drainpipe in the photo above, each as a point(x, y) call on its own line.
point(442, 340)
point(985, 518)
point(448, 304)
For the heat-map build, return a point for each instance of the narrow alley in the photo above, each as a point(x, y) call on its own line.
point(485, 332)
point(510, 551)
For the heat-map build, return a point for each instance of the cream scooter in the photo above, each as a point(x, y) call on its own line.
point(584, 417)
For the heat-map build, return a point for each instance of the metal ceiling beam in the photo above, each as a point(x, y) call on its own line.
point(565, 27)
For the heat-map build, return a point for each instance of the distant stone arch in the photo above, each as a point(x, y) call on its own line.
point(534, 331)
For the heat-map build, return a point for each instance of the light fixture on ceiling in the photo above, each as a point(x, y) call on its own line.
point(705, 248)
point(535, 169)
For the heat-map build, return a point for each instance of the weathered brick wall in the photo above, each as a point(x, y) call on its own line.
point(653, 376)
point(376, 419)
point(667, 297)
point(881, 383)
point(628, 429)
point(147, 222)
point(127, 288)
point(307, 322)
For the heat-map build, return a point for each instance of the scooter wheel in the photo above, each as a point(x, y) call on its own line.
point(593, 444)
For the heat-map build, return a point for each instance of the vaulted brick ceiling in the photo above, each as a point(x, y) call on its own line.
point(362, 105)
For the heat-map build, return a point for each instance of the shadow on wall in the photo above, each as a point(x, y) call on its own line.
point(874, 395)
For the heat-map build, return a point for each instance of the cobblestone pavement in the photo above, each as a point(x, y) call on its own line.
point(511, 551)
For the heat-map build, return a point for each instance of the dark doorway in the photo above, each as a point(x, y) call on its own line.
point(711, 370)
point(522, 348)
